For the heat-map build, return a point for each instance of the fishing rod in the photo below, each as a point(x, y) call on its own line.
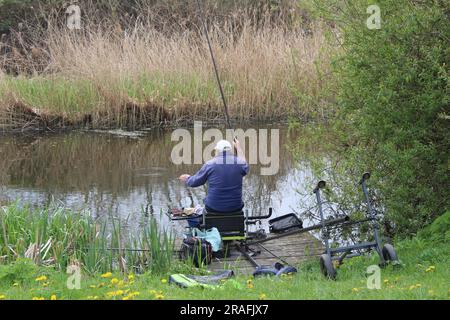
point(202, 18)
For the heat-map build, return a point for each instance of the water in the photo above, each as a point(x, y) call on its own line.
point(131, 175)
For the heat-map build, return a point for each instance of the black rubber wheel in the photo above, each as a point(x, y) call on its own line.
point(327, 268)
point(389, 254)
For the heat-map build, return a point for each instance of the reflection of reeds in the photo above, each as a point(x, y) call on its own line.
point(144, 77)
point(101, 169)
point(58, 237)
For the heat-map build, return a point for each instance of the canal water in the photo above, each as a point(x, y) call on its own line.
point(131, 175)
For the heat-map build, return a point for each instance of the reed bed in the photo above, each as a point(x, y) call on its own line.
point(58, 237)
point(143, 77)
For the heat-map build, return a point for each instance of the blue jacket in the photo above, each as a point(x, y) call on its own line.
point(224, 175)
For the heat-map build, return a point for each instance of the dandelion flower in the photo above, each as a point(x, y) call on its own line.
point(131, 277)
point(53, 297)
point(114, 281)
point(106, 275)
point(2, 297)
point(430, 269)
point(15, 284)
point(159, 297)
point(92, 286)
point(262, 296)
point(163, 280)
point(38, 298)
point(41, 278)
point(355, 290)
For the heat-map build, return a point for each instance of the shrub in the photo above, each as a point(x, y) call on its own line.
point(393, 101)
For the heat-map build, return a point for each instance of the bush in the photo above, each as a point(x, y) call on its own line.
point(439, 230)
point(20, 271)
point(393, 100)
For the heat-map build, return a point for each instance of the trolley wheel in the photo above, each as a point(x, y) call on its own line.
point(389, 254)
point(327, 268)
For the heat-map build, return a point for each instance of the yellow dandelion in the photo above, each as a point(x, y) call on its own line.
point(163, 280)
point(131, 277)
point(249, 281)
point(101, 284)
point(41, 278)
point(262, 296)
point(92, 286)
point(127, 298)
point(106, 275)
point(45, 284)
point(159, 297)
point(15, 284)
point(355, 290)
point(114, 281)
point(430, 269)
point(386, 281)
point(38, 298)
point(135, 293)
point(53, 297)
point(2, 297)
point(250, 285)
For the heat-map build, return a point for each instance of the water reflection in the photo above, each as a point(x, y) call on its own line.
point(128, 176)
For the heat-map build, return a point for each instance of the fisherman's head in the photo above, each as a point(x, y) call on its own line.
point(222, 146)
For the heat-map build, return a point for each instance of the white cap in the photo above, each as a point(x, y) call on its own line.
point(223, 145)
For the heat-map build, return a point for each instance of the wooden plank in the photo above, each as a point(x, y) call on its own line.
point(294, 249)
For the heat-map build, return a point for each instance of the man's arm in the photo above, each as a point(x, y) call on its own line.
point(241, 156)
point(198, 179)
point(240, 153)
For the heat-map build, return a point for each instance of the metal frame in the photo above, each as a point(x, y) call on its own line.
point(357, 248)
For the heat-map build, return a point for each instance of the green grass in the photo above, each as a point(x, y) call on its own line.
point(423, 274)
point(56, 237)
point(55, 95)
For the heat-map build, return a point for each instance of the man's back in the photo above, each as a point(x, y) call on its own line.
point(224, 175)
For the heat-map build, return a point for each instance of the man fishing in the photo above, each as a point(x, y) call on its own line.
point(224, 174)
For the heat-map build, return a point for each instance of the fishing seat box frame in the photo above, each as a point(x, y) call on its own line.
point(231, 225)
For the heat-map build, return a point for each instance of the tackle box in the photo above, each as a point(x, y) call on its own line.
point(285, 223)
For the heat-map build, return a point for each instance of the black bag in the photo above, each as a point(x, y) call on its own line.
point(285, 223)
point(199, 251)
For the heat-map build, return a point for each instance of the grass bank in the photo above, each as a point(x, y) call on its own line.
point(143, 77)
point(423, 274)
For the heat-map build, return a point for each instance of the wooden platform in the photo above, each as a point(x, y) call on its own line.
point(293, 249)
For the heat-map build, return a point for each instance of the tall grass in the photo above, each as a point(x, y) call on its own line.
point(58, 237)
point(141, 76)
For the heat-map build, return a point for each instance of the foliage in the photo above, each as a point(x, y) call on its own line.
point(393, 99)
point(20, 271)
point(58, 237)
